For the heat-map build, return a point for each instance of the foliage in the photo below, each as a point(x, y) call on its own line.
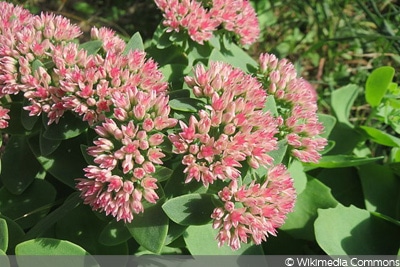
point(347, 203)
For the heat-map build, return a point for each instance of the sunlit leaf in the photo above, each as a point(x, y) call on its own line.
point(377, 84)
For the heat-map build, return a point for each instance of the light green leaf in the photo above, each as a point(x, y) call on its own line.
point(201, 240)
point(3, 235)
point(377, 85)
point(135, 43)
point(186, 104)
point(4, 261)
point(299, 223)
point(329, 123)
point(150, 229)
point(92, 47)
point(15, 234)
point(381, 137)
point(352, 231)
point(339, 161)
point(279, 154)
point(296, 171)
point(190, 209)
point(17, 154)
point(342, 100)
point(48, 246)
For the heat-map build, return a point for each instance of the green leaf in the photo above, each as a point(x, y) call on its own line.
point(190, 209)
point(150, 229)
point(381, 137)
point(329, 123)
point(186, 104)
point(135, 43)
point(66, 163)
point(16, 155)
point(114, 233)
point(48, 246)
point(345, 185)
point(4, 261)
point(376, 179)
point(270, 105)
point(48, 146)
point(28, 122)
point(279, 154)
point(162, 173)
point(296, 171)
point(3, 235)
point(340, 161)
point(92, 47)
point(201, 240)
point(69, 126)
point(15, 126)
point(15, 234)
point(342, 100)
point(377, 85)
point(26, 209)
point(174, 74)
point(352, 231)
point(237, 57)
point(300, 222)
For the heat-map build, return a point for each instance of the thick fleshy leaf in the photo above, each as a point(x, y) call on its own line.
point(329, 123)
point(201, 240)
point(377, 84)
point(315, 196)
point(26, 209)
point(18, 154)
point(296, 171)
point(114, 233)
point(135, 43)
point(92, 47)
point(340, 161)
point(15, 234)
point(174, 74)
point(190, 209)
point(342, 100)
point(186, 104)
point(162, 173)
point(345, 185)
point(381, 189)
point(48, 146)
point(381, 137)
point(175, 231)
point(4, 260)
point(150, 229)
point(66, 163)
point(69, 126)
point(279, 154)
point(48, 246)
point(3, 235)
point(352, 231)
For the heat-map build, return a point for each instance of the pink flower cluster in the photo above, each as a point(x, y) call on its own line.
point(254, 210)
point(297, 107)
point(232, 128)
point(126, 153)
point(237, 16)
point(102, 84)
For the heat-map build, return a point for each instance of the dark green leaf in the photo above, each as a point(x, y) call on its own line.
point(17, 154)
point(48, 146)
point(49, 246)
point(150, 229)
point(15, 234)
point(26, 209)
point(329, 122)
point(66, 163)
point(190, 209)
point(377, 85)
point(300, 222)
point(114, 233)
point(162, 173)
point(69, 126)
point(3, 235)
point(381, 189)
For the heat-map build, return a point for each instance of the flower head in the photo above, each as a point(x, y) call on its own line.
point(254, 211)
point(232, 128)
point(4, 117)
point(201, 19)
point(297, 107)
point(126, 154)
